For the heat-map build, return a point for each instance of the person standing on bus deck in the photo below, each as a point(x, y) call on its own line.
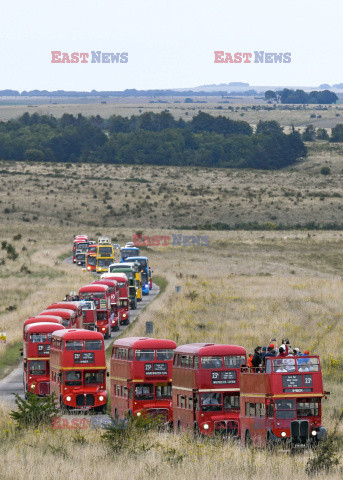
point(257, 358)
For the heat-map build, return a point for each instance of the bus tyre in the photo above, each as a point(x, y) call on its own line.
point(127, 321)
point(196, 431)
point(269, 442)
point(178, 426)
point(248, 441)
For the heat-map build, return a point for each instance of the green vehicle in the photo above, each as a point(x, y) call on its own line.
point(130, 272)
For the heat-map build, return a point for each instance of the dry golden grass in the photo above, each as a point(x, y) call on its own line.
point(251, 111)
point(169, 197)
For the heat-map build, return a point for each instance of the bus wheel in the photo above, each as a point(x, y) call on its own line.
point(178, 426)
point(248, 441)
point(116, 416)
point(269, 443)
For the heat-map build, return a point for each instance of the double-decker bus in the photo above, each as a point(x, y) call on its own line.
point(130, 272)
point(80, 243)
point(124, 301)
point(44, 318)
point(114, 294)
point(89, 314)
point(36, 355)
point(128, 266)
point(206, 386)
point(69, 316)
point(69, 305)
point(282, 405)
point(91, 261)
point(143, 268)
point(78, 369)
point(101, 296)
point(104, 257)
point(141, 377)
point(128, 252)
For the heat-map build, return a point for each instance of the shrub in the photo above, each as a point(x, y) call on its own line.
point(34, 411)
point(322, 134)
point(325, 171)
point(17, 236)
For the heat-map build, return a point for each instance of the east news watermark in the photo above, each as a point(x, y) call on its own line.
point(257, 56)
point(95, 56)
point(173, 240)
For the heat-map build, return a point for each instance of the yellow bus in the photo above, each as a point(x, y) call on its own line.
point(104, 257)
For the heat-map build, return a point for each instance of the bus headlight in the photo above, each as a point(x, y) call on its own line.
point(314, 433)
point(139, 414)
point(101, 398)
point(206, 426)
point(283, 434)
point(68, 398)
point(33, 386)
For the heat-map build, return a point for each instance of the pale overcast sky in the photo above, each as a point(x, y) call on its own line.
point(170, 43)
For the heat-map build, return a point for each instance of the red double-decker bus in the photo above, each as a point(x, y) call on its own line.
point(124, 300)
point(282, 405)
point(91, 260)
point(36, 356)
point(141, 377)
point(44, 318)
point(68, 316)
point(76, 306)
point(78, 369)
point(114, 293)
point(101, 296)
point(206, 386)
point(80, 243)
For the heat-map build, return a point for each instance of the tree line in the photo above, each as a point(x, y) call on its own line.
point(150, 138)
point(300, 97)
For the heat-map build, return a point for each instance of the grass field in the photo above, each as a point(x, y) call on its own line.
point(130, 196)
point(324, 115)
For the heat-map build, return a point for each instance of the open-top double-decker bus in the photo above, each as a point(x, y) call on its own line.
point(141, 377)
point(282, 405)
point(78, 369)
point(206, 387)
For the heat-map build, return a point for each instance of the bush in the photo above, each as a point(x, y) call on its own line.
point(17, 237)
point(322, 134)
point(34, 411)
point(325, 171)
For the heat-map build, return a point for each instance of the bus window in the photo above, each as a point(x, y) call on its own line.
point(234, 361)
point(211, 402)
point(230, 401)
point(212, 362)
point(308, 364)
point(285, 408)
point(37, 367)
point(74, 344)
point(268, 365)
point(271, 410)
point(73, 378)
point(94, 377)
point(38, 338)
point(131, 354)
point(93, 344)
point(196, 363)
point(144, 391)
point(307, 409)
point(284, 365)
point(163, 391)
point(165, 354)
point(145, 355)
point(263, 410)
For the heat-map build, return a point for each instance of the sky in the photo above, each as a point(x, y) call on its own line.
point(170, 44)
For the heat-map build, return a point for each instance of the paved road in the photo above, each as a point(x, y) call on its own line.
point(13, 383)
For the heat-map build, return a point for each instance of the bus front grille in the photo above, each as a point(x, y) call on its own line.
point(85, 400)
point(300, 431)
point(226, 428)
point(44, 388)
point(158, 412)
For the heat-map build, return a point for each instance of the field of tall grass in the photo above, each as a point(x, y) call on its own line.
point(244, 288)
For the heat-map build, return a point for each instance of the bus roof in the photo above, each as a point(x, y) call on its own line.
point(44, 318)
point(94, 288)
point(127, 260)
point(106, 281)
point(61, 312)
point(43, 327)
point(144, 342)
point(114, 275)
point(210, 349)
point(78, 334)
point(65, 305)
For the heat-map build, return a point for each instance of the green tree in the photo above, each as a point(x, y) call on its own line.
point(34, 155)
point(309, 134)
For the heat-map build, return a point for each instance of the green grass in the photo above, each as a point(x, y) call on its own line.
point(161, 282)
point(62, 257)
point(10, 359)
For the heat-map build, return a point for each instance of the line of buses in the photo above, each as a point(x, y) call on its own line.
point(203, 388)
